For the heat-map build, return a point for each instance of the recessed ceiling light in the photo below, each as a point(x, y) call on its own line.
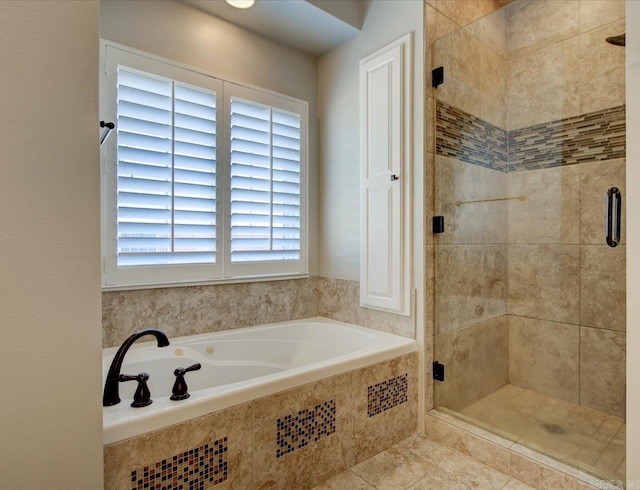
point(241, 4)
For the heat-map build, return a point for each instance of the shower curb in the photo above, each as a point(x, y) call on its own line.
point(527, 465)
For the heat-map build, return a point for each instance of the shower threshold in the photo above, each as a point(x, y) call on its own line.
point(589, 439)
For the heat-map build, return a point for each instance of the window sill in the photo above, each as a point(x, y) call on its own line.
point(218, 282)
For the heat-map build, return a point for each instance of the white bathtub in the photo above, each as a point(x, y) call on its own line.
point(239, 366)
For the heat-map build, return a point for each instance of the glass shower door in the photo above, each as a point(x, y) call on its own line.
point(530, 282)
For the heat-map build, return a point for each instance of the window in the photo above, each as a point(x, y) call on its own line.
point(203, 179)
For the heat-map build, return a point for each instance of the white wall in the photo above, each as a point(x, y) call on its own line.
point(50, 414)
point(187, 35)
point(633, 243)
point(338, 71)
point(348, 11)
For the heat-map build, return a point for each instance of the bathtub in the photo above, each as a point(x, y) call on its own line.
point(239, 366)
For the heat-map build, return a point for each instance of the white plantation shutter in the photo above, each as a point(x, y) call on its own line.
point(166, 146)
point(195, 174)
point(204, 180)
point(265, 183)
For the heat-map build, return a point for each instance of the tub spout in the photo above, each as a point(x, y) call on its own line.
point(111, 395)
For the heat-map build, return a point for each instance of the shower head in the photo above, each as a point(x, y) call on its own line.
point(617, 40)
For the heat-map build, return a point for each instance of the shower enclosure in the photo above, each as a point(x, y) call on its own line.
point(529, 154)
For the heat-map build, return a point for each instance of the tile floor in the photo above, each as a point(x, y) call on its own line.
point(419, 463)
point(575, 434)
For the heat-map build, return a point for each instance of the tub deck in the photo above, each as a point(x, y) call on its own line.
point(239, 366)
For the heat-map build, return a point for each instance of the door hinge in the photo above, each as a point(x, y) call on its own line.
point(437, 77)
point(438, 224)
point(438, 371)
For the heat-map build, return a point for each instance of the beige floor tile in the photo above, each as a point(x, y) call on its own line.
point(420, 463)
point(621, 472)
point(436, 479)
point(345, 480)
point(614, 453)
point(483, 449)
point(516, 485)
point(461, 467)
point(601, 438)
point(574, 434)
point(396, 467)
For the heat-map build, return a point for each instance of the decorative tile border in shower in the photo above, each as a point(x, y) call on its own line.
point(589, 137)
point(469, 139)
point(195, 469)
point(296, 431)
point(387, 394)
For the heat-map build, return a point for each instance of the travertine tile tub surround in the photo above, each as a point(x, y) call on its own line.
point(189, 310)
point(295, 439)
point(524, 235)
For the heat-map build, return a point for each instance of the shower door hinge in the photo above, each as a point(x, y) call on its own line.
point(437, 76)
point(438, 371)
point(437, 224)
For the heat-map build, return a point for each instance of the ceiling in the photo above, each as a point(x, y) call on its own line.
point(314, 26)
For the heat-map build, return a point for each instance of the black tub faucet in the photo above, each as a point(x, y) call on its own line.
point(111, 394)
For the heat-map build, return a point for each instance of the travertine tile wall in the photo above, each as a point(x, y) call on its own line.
point(566, 286)
point(254, 438)
point(198, 309)
point(538, 256)
point(470, 258)
point(475, 361)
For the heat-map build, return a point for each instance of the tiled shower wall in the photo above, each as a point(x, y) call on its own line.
point(566, 286)
point(526, 289)
point(469, 163)
point(198, 309)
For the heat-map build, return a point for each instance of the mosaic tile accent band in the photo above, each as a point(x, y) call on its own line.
point(195, 469)
point(387, 394)
point(307, 426)
point(469, 139)
point(590, 137)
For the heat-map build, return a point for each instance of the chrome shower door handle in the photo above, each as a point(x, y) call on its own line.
point(614, 211)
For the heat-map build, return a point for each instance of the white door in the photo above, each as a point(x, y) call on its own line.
point(385, 147)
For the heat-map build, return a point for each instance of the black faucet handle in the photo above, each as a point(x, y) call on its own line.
point(180, 389)
point(181, 371)
point(142, 396)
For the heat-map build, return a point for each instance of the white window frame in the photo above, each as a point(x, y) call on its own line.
point(268, 267)
point(223, 271)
